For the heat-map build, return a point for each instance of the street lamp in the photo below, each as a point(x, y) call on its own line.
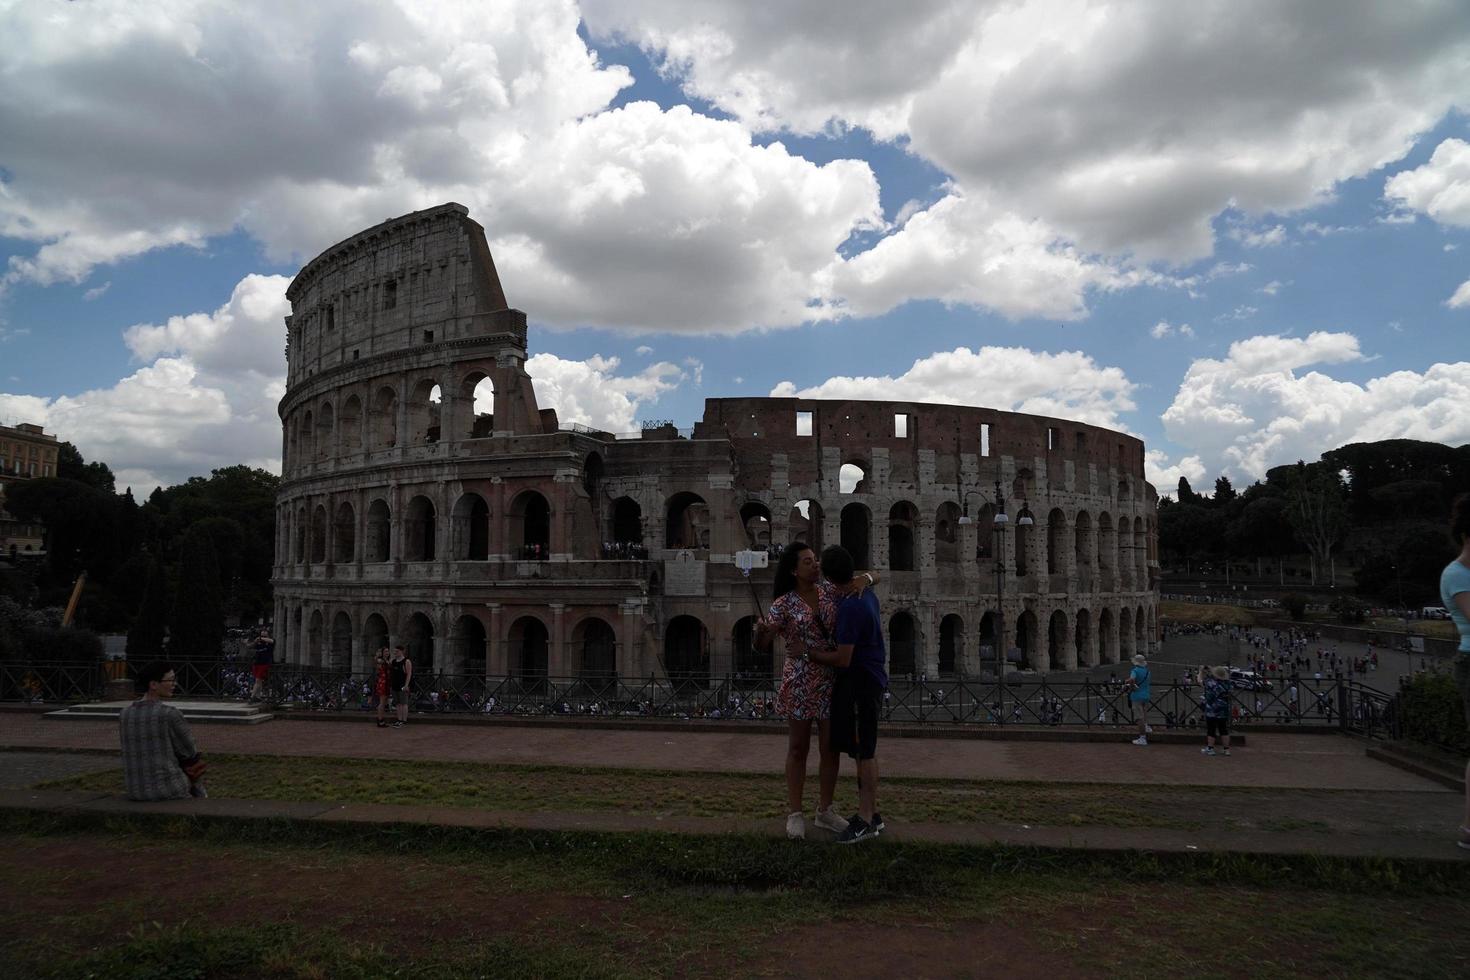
point(999, 524)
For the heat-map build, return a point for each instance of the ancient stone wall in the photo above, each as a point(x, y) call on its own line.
point(428, 499)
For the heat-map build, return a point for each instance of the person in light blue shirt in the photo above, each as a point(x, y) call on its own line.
point(1139, 679)
point(1454, 592)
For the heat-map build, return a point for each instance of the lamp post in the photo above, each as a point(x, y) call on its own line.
point(999, 525)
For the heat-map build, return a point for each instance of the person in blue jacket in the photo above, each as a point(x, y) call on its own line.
point(1138, 695)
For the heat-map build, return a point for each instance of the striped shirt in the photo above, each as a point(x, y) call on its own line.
point(155, 738)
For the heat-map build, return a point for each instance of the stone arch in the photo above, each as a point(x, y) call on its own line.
point(1125, 633)
point(374, 636)
point(852, 476)
point(807, 523)
point(687, 524)
point(1056, 539)
point(325, 433)
point(315, 637)
point(1140, 554)
point(947, 533)
point(530, 652)
point(857, 522)
point(350, 425)
point(755, 517)
point(530, 525)
point(1107, 637)
point(295, 640)
point(419, 529)
point(467, 646)
point(597, 651)
point(341, 660)
point(1106, 544)
point(902, 518)
point(902, 645)
point(344, 533)
point(378, 544)
point(306, 447)
point(1140, 631)
point(985, 533)
point(318, 534)
point(686, 652)
point(477, 392)
point(383, 422)
point(1056, 641)
point(627, 522)
point(1027, 634)
point(1082, 639)
point(753, 666)
point(424, 403)
point(470, 520)
point(301, 523)
point(1082, 541)
point(951, 645)
point(418, 641)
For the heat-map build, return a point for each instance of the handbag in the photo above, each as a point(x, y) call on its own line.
point(194, 768)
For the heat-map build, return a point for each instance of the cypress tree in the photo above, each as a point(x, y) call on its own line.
point(197, 625)
point(145, 638)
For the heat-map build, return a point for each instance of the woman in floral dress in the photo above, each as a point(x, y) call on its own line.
point(804, 615)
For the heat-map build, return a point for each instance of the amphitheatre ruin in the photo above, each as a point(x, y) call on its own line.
point(428, 498)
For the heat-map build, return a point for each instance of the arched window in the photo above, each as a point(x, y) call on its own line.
point(300, 534)
point(423, 413)
point(596, 646)
point(1082, 638)
point(471, 517)
point(752, 665)
point(805, 524)
point(1056, 641)
point(374, 636)
point(902, 517)
point(1026, 633)
point(688, 522)
point(1082, 541)
point(856, 521)
point(686, 652)
point(1107, 638)
point(306, 448)
point(378, 546)
point(1056, 538)
point(341, 643)
point(351, 425)
point(756, 518)
point(951, 642)
point(324, 432)
point(529, 653)
point(319, 535)
point(852, 478)
point(478, 391)
point(419, 530)
point(467, 647)
point(314, 640)
point(627, 521)
point(418, 640)
point(530, 525)
point(344, 533)
point(947, 534)
point(383, 425)
point(901, 646)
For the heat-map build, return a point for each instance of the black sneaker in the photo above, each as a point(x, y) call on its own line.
point(878, 825)
point(857, 830)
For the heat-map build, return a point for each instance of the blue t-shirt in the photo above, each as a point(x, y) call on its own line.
point(858, 623)
point(1217, 698)
point(1452, 581)
point(1140, 690)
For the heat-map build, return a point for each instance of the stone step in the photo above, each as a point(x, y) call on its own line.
point(203, 712)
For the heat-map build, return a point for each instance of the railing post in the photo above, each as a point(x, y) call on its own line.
point(1344, 723)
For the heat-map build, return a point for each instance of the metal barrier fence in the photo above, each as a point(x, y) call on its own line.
point(1023, 700)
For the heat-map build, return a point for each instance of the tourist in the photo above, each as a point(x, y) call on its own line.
point(1217, 689)
point(264, 651)
point(1138, 695)
point(1454, 595)
point(857, 690)
point(160, 761)
point(400, 676)
point(804, 615)
point(380, 685)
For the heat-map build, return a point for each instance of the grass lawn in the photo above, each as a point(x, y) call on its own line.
point(762, 795)
point(94, 896)
point(1201, 612)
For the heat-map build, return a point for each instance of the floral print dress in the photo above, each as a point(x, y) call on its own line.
point(806, 686)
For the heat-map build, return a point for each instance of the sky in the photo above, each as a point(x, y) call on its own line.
point(1238, 229)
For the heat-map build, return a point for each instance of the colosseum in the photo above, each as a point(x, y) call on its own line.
point(428, 498)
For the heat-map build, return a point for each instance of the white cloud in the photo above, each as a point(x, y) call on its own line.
point(246, 334)
point(1275, 235)
point(1461, 297)
point(1164, 475)
point(643, 350)
point(1151, 117)
point(1241, 312)
point(96, 292)
point(1273, 287)
point(1253, 409)
point(1069, 384)
point(1164, 328)
point(591, 393)
point(1450, 247)
point(1440, 188)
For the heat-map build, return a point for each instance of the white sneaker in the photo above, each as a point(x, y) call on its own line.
point(796, 826)
point(827, 820)
point(1227, 751)
point(1148, 729)
point(1206, 751)
point(1141, 740)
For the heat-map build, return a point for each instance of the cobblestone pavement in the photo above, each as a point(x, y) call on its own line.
point(1300, 761)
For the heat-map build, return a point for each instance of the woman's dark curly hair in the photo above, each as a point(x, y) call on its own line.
point(785, 577)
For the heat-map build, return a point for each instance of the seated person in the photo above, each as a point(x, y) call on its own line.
point(160, 761)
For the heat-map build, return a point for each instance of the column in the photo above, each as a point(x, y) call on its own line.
point(496, 659)
point(556, 659)
point(630, 646)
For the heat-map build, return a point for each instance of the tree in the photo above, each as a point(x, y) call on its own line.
point(145, 639)
point(1224, 492)
point(71, 466)
point(1186, 493)
point(197, 624)
point(1316, 506)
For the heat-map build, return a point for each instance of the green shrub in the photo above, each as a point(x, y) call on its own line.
point(69, 645)
point(1295, 605)
point(1434, 713)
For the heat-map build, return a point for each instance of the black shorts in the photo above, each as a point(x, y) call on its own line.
point(1217, 726)
point(857, 701)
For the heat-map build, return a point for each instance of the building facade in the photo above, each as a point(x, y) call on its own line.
point(26, 453)
point(428, 499)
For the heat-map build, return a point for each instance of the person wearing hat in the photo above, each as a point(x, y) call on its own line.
point(1138, 695)
point(1217, 688)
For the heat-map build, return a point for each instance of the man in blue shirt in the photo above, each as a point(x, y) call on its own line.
point(857, 690)
point(1139, 693)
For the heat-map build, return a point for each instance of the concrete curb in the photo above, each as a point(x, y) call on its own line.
point(1418, 767)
